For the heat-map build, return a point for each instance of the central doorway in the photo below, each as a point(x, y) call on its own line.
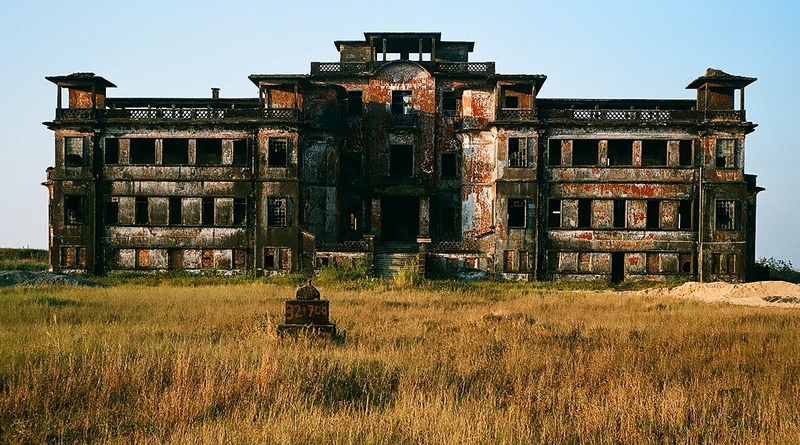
point(617, 267)
point(400, 218)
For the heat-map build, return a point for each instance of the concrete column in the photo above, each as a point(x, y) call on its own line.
point(424, 216)
point(375, 217)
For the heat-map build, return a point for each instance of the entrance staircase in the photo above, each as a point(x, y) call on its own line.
point(391, 256)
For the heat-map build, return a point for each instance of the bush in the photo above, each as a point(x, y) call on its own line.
point(780, 269)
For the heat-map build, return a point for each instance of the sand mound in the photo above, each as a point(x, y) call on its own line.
point(25, 278)
point(760, 293)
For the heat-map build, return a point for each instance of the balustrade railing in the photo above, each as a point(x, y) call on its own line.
point(395, 121)
point(454, 246)
point(517, 114)
point(200, 113)
point(483, 68)
point(344, 246)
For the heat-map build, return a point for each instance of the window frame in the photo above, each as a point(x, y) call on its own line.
point(512, 204)
point(521, 150)
point(283, 220)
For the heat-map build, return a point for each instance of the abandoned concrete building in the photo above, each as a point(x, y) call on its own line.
point(404, 151)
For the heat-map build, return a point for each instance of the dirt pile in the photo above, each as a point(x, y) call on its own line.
point(25, 278)
point(760, 293)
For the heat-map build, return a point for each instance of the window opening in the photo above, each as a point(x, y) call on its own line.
point(584, 213)
point(728, 153)
point(685, 214)
point(111, 212)
point(73, 151)
point(727, 212)
point(239, 211)
point(619, 213)
point(620, 152)
point(685, 155)
point(517, 152)
point(277, 212)
point(401, 160)
point(654, 153)
point(175, 210)
point(555, 151)
point(112, 150)
point(653, 214)
point(208, 211)
point(449, 103)
point(449, 169)
point(141, 210)
point(517, 208)
point(354, 103)
point(175, 151)
point(142, 151)
point(278, 152)
point(73, 209)
point(511, 102)
point(401, 102)
point(209, 152)
point(240, 155)
point(584, 152)
point(554, 213)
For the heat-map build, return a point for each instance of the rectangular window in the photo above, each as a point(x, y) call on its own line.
point(584, 213)
point(141, 210)
point(401, 102)
point(449, 103)
point(67, 256)
point(508, 261)
point(727, 214)
point(209, 152)
point(517, 152)
point(619, 213)
point(208, 259)
point(354, 103)
point(654, 153)
point(511, 102)
point(175, 151)
point(727, 153)
point(554, 148)
point(584, 261)
point(269, 258)
point(448, 219)
point(143, 151)
point(553, 213)
point(111, 151)
point(584, 151)
point(277, 212)
point(239, 259)
point(278, 152)
point(73, 209)
point(523, 261)
point(449, 169)
point(111, 212)
point(401, 160)
point(277, 258)
point(175, 210)
point(517, 210)
point(686, 153)
point(653, 219)
point(620, 152)
point(240, 155)
point(685, 262)
point(208, 211)
point(239, 211)
point(73, 152)
point(685, 214)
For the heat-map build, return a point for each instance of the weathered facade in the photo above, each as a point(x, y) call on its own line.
point(404, 150)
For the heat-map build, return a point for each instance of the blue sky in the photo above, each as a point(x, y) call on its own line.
point(609, 49)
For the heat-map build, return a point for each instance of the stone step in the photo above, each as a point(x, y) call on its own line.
point(388, 264)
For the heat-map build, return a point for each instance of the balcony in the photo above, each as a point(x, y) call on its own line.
point(339, 68)
point(640, 116)
point(365, 68)
point(516, 114)
point(466, 68)
point(402, 121)
point(178, 114)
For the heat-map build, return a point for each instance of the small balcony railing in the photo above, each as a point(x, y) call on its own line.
point(402, 121)
point(516, 114)
point(179, 114)
point(338, 68)
point(76, 114)
point(480, 68)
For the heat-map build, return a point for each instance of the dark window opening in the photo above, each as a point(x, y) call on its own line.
point(517, 152)
point(208, 212)
point(727, 153)
point(143, 151)
point(617, 267)
point(449, 103)
point(112, 150)
point(209, 152)
point(584, 213)
point(555, 151)
point(208, 259)
point(654, 153)
point(111, 212)
point(354, 103)
point(620, 152)
point(269, 258)
point(685, 157)
point(240, 155)
point(278, 152)
point(554, 213)
point(448, 219)
point(511, 102)
point(401, 102)
point(584, 152)
point(653, 214)
point(619, 213)
point(175, 210)
point(685, 215)
point(277, 212)
point(73, 152)
point(239, 211)
point(449, 169)
point(73, 209)
point(141, 211)
point(727, 214)
point(685, 261)
point(517, 209)
point(175, 151)
point(401, 160)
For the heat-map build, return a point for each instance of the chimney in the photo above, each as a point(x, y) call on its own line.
point(215, 93)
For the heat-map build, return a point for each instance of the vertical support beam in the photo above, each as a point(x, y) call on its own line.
point(372, 54)
point(94, 96)
point(58, 97)
point(424, 216)
point(741, 99)
point(384, 49)
point(420, 51)
point(261, 95)
point(295, 96)
point(705, 104)
point(375, 217)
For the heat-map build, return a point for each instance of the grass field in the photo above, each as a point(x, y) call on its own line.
point(484, 363)
point(33, 260)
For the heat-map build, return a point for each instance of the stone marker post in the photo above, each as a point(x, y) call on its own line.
point(307, 313)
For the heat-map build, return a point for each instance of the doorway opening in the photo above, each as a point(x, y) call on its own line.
point(400, 218)
point(617, 267)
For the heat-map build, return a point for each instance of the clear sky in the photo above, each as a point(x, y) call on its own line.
point(597, 49)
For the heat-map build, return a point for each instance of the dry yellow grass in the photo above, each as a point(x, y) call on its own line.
point(497, 364)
